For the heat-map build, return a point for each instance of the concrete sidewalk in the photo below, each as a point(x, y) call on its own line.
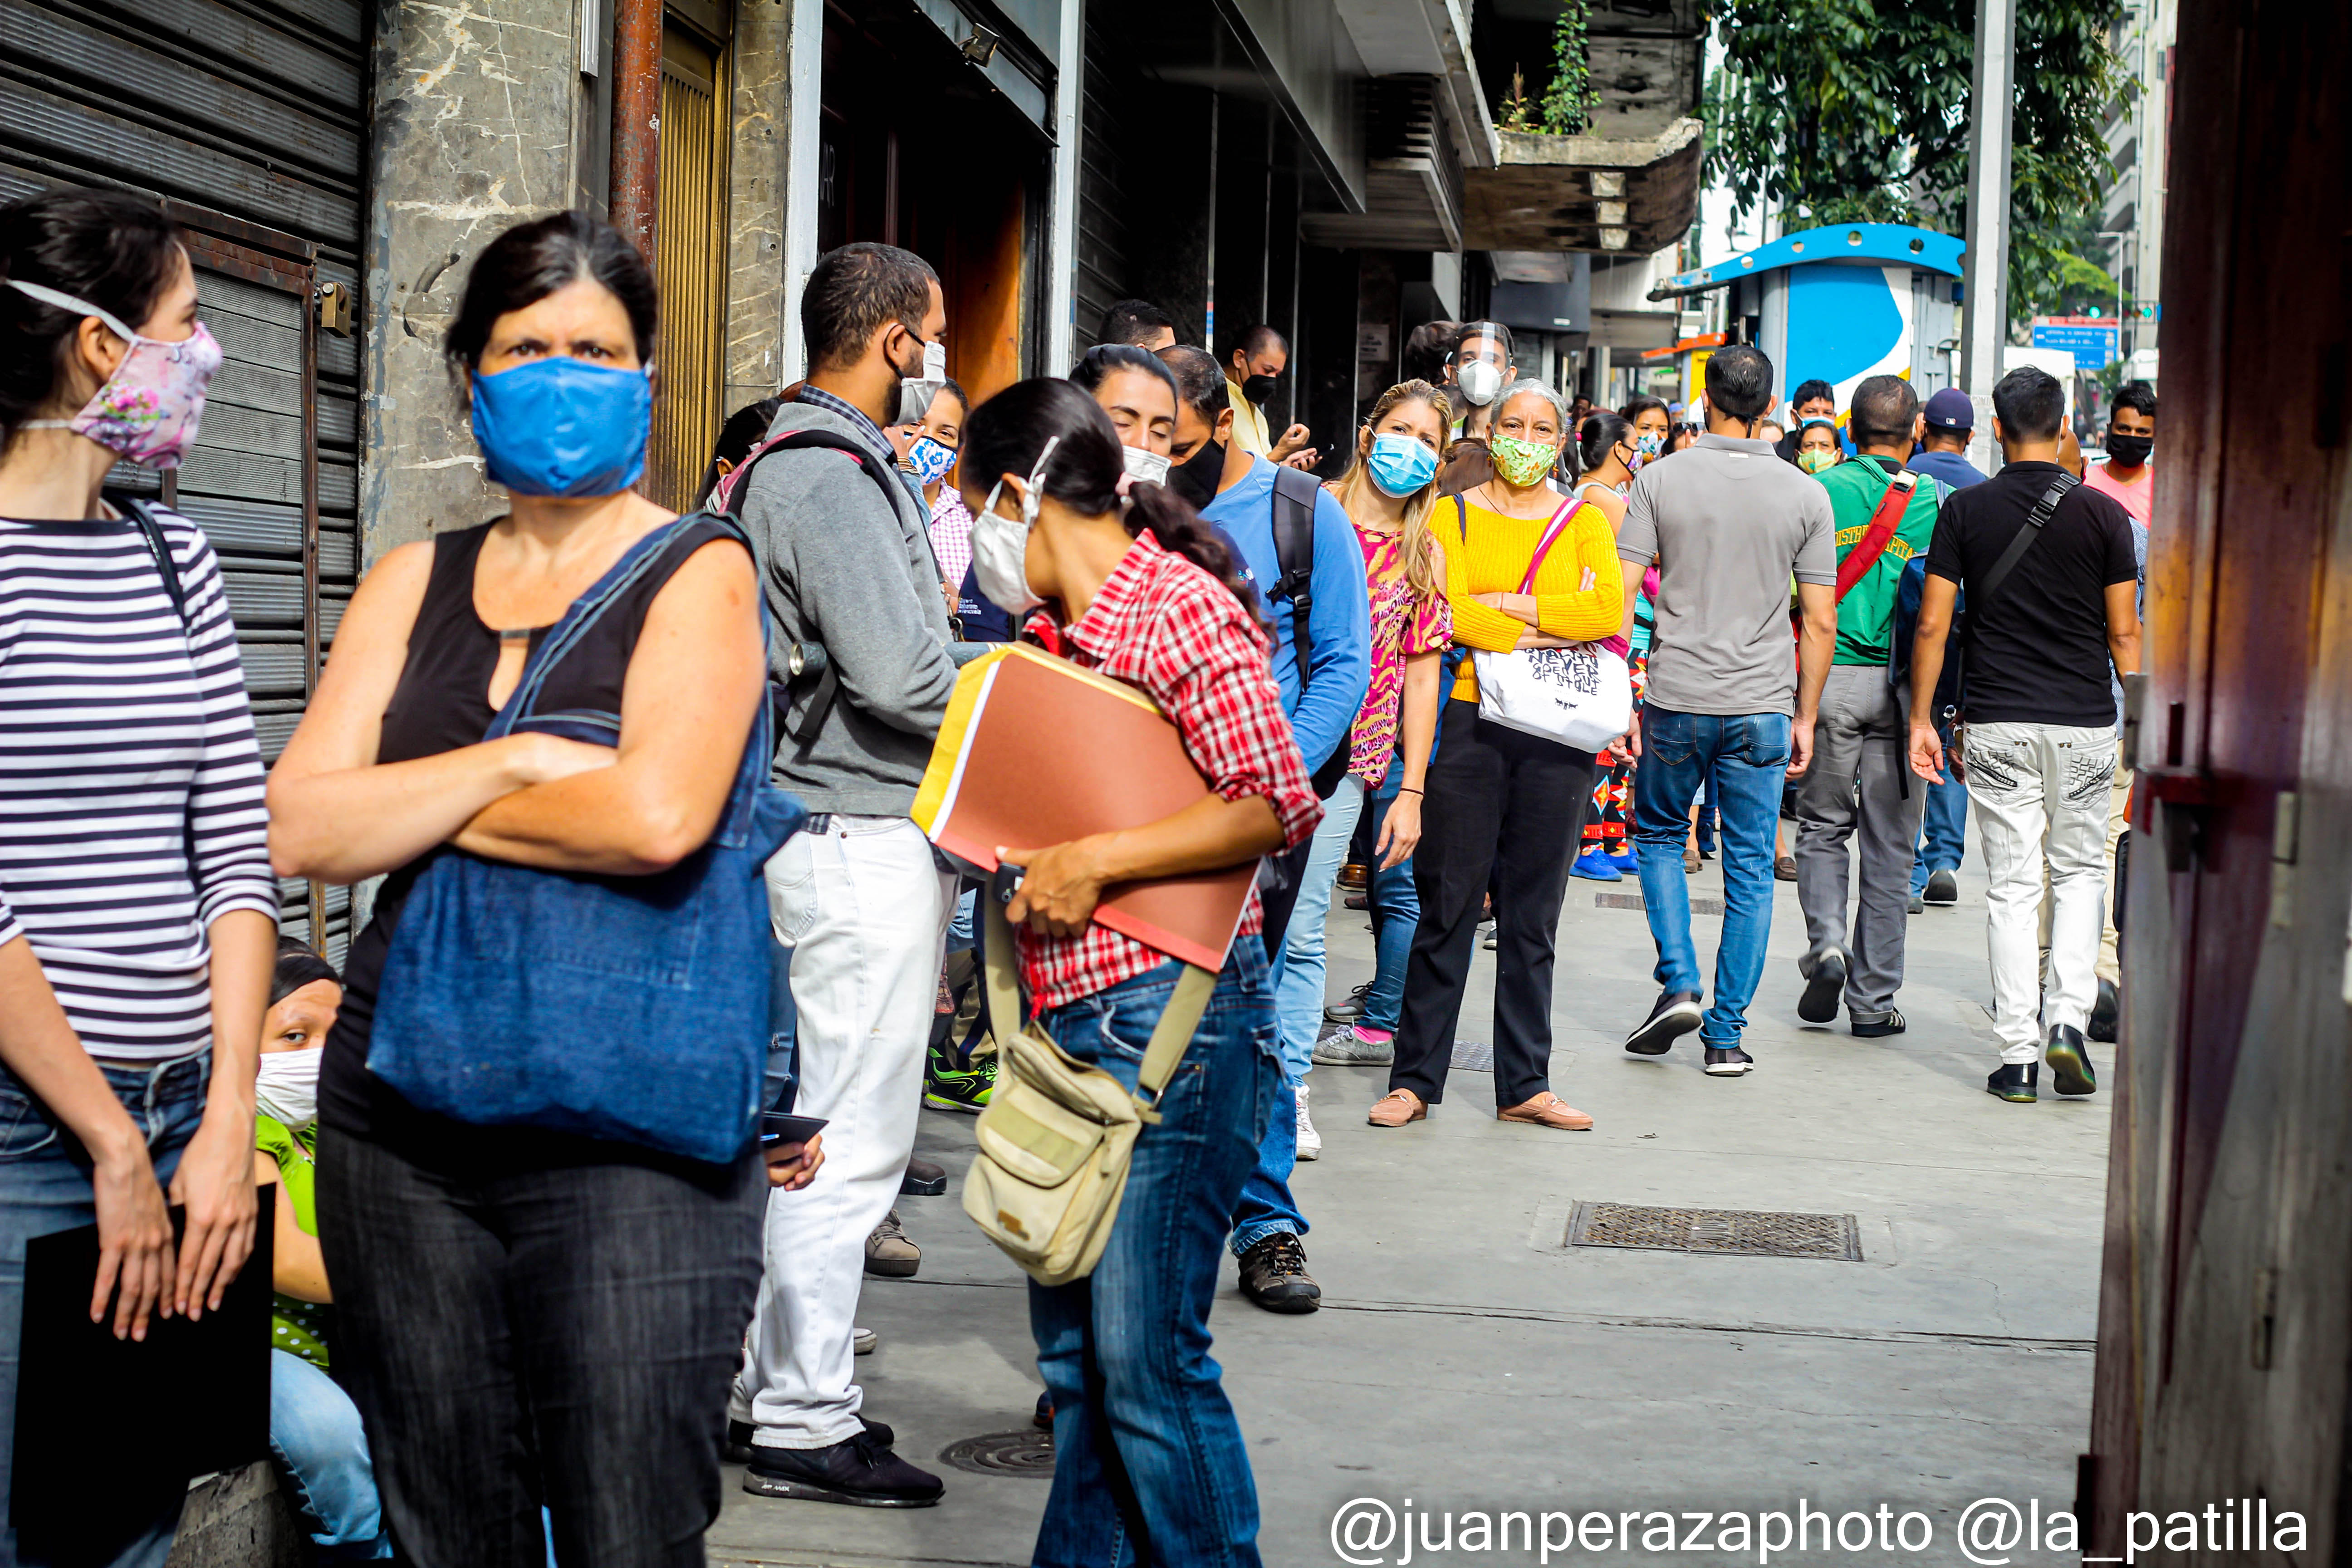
point(1467, 1359)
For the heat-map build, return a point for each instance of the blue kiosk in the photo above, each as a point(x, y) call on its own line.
point(1844, 303)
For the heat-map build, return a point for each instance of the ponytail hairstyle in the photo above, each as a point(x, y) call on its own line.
point(1416, 547)
point(1599, 437)
point(1006, 434)
point(107, 249)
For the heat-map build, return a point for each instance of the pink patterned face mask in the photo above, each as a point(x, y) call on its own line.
point(147, 411)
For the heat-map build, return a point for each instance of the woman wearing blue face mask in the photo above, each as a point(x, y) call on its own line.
point(1390, 496)
point(526, 1315)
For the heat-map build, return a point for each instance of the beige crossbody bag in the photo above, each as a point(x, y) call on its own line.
point(1057, 1135)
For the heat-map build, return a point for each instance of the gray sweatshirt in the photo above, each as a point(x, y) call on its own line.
point(847, 563)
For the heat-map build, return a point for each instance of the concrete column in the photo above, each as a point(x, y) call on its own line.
point(1984, 317)
point(1062, 231)
point(474, 121)
point(759, 301)
point(804, 68)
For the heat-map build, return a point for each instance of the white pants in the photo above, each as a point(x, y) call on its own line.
point(864, 911)
point(2038, 794)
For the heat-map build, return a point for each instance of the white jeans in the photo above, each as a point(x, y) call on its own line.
point(864, 911)
point(2039, 792)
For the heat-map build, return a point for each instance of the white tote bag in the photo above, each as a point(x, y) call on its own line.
point(1580, 696)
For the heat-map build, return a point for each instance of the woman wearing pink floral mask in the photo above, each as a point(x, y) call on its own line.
point(138, 914)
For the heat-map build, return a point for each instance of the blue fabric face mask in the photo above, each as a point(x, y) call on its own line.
point(560, 426)
point(930, 460)
point(1401, 465)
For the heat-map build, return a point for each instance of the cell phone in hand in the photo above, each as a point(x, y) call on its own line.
point(782, 1127)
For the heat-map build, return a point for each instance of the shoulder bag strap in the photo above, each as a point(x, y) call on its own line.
point(1884, 521)
point(2034, 521)
point(143, 519)
point(1552, 530)
point(584, 613)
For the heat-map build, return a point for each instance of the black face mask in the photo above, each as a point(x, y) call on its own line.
point(2131, 452)
point(1195, 478)
point(1257, 389)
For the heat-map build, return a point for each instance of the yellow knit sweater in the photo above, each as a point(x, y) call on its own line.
point(1579, 591)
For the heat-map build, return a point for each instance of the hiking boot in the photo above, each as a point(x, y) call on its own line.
point(1274, 1275)
point(1824, 983)
point(2106, 1014)
point(951, 1082)
point(859, 1471)
point(2069, 1064)
point(1677, 1014)
point(2014, 1080)
point(889, 1254)
point(1943, 889)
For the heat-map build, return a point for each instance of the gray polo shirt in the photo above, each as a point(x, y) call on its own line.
point(1729, 523)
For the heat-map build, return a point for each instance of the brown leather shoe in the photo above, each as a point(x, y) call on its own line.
point(1548, 1110)
point(1397, 1107)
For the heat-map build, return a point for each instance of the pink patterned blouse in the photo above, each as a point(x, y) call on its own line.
point(1400, 629)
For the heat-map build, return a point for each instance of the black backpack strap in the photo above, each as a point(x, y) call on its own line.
point(1294, 552)
point(142, 517)
point(2034, 522)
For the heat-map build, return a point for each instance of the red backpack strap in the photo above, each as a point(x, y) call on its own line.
point(1880, 534)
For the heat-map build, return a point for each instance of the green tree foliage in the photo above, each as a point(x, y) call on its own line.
point(1567, 101)
point(1857, 111)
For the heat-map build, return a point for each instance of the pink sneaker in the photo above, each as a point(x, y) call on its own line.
point(1374, 1037)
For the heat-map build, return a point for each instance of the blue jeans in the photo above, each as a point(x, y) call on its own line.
point(45, 1187)
point(1749, 754)
point(1395, 905)
point(782, 1076)
point(1943, 833)
point(315, 1434)
point(1149, 1453)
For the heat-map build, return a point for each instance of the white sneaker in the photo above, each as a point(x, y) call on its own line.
point(1310, 1142)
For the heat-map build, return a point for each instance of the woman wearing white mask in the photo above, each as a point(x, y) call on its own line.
point(314, 1428)
point(137, 910)
point(1478, 369)
point(1139, 590)
point(1138, 390)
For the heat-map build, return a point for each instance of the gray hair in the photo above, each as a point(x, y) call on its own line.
point(1541, 389)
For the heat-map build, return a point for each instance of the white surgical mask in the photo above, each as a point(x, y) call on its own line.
point(916, 391)
point(286, 1086)
point(999, 544)
point(1479, 382)
point(1149, 468)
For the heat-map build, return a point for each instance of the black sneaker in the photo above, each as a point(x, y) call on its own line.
point(2069, 1064)
point(1274, 1275)
point(2014, 1080)
point(860, 1471)
point(923, 1180)
point(1043, 1415)
point(2104, 1013)
point(1732, 1062)
point(1824, 983)
point(1867, 1027)
point(739, 1446)
point(1349, 1008)
point(1676, 1014)
point(1943, 889)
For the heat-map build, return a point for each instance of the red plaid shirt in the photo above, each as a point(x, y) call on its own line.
point(1165, 626)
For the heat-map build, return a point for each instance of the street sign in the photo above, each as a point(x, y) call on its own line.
point(2092, 343)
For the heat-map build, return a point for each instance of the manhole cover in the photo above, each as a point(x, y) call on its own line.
point(1745, 1231)
point(1029, 1453)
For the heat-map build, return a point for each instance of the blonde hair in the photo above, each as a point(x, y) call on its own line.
point(1417, 547)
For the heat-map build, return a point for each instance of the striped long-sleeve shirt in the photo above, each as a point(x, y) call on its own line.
point(126, 746)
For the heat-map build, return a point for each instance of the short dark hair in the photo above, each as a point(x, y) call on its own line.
point(1254, 337)
point(532, 260)
point(2136, 395)
point(1884, 410)
point(1469, 331)
point(1809, 390)
point(2029, 402)
point(1427, 348)
point(296, 965)
point(1132, 321)
point(1200, 380)
point(854, 289)
point(1740, 381)
point(1091, 371)
point(107, 249)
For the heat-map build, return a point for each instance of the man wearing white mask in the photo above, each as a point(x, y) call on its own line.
point(1480, 366)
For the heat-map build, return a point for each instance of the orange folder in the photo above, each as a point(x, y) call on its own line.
point(1035, 750)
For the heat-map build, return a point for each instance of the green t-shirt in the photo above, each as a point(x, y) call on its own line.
point(1866, 616)
point(298, 1327)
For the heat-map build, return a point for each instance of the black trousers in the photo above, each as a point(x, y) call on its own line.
point(1503, 808)
point(518, 1332)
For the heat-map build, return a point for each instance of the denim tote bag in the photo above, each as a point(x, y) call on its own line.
point(631, 1008)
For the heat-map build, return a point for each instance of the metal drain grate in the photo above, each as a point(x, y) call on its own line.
point(1029, 1454)
point(1746, 1231)
point(1474, 1056)
point(1699, 903)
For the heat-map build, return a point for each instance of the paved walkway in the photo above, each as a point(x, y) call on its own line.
point(1468, 1360)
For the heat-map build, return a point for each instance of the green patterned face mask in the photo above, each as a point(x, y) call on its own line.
point(1522, 463)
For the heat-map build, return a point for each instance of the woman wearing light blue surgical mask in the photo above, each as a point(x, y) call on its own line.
point(1392, 497)
point(927, 452)
point(451, 1240)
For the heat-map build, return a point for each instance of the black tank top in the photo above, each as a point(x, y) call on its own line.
point(441, 704)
